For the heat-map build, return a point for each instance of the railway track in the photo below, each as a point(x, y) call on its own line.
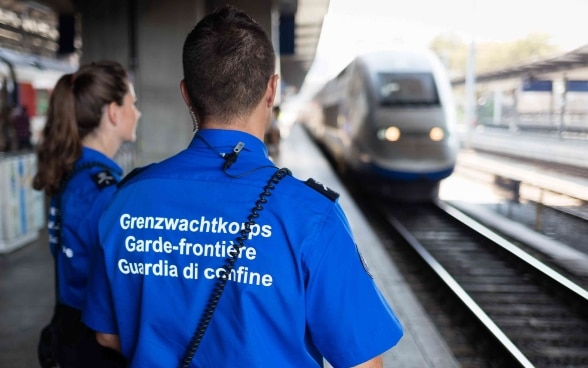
point(554, 212)
point(497, 305)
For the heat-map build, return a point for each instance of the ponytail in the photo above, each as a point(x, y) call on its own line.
point(75, 111)
point(60, 145)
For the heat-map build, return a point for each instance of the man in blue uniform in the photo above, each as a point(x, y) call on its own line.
point(220, 214)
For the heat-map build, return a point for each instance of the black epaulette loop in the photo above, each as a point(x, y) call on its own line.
point(322, 189)
point(103, 179)
point(132, 174)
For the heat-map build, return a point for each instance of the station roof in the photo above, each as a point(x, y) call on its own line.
point(60, 6)
point(309, 22)
point(574, 59)
point(309, 16)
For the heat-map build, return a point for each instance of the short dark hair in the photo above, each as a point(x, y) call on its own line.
point(228, 59)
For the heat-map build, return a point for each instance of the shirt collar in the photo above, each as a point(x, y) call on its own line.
point(90, 154)
point(225, 140)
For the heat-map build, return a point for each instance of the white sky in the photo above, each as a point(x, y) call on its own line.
point(352, 26)
point(565, 20)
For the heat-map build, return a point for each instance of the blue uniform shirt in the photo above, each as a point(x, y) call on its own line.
point(87, 190)
point(299, 290)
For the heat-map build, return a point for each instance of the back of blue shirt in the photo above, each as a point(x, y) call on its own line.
point(299, 290)
point(91, 185)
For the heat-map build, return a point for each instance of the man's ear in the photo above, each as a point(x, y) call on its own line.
point(272, 89)
point(184, 92)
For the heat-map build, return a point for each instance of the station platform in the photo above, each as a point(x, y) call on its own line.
point(26, 279)
point(562, 149)
point(421, 346)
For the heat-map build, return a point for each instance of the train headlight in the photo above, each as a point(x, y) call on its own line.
point(436, 134)
point(390, 134)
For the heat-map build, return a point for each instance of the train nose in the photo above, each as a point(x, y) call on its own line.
point(393, 134)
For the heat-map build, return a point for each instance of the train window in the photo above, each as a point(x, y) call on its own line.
point(407, 89)
point(331, 115)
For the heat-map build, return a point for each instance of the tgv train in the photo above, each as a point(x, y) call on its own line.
point(388, 119)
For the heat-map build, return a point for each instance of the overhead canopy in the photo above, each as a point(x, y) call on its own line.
point(302, 18)
point(577, 58)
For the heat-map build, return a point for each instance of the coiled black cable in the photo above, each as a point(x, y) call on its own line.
point(228, 267)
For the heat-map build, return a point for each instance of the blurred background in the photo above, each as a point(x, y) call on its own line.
point(468, 166)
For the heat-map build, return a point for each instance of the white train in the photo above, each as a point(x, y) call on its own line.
point(389, 120)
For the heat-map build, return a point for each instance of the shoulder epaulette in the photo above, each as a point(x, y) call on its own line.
point(322, 189)
point(103, 179)
point(132, 174)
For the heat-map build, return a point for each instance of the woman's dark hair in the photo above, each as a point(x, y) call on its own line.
point(75, 110)
point(228, 60)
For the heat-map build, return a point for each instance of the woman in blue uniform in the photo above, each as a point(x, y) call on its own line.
point(219, 219)
point(91, 113)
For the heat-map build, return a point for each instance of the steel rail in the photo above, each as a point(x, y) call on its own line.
point(481, 316)
point(514, 250)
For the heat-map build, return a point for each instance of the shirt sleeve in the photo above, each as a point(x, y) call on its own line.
point(98, 313)
point(349, 320)
point(88, 228)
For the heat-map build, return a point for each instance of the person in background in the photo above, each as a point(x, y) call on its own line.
point(90, 114)
point(272, 135)
point(215, 257)
point(6, 129)
point(22, 127)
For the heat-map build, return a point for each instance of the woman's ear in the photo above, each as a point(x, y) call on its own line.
point(112, 112)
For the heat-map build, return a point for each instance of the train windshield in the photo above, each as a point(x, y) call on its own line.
point(396, 89)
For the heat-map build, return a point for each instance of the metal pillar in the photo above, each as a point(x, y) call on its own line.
point(147, 37)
